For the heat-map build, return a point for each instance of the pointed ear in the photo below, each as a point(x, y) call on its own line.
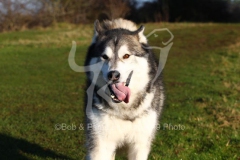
point(142, 38)
point(97, 27)
point(97, 30)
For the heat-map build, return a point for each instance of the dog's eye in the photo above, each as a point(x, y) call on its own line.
point(126, 56)
point(105, 56)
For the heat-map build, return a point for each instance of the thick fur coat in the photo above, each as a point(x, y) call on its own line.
point(122, 114)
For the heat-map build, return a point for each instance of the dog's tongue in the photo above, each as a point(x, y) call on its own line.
point(121, 91)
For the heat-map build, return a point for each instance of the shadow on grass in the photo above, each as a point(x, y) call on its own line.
point(13, 148)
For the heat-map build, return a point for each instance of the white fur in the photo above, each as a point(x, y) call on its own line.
point(109, 129)
point(122, 51)
point(121, 23)
point(108, 51)
point(142, 38)
point(112, 132)
point(140, 69)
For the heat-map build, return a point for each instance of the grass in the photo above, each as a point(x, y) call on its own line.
point(39, 90)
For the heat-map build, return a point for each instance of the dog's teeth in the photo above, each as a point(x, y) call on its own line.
point(112, 96)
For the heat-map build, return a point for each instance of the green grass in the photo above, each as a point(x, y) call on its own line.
point(39, 90)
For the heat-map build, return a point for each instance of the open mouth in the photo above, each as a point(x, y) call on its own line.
point(120, 90)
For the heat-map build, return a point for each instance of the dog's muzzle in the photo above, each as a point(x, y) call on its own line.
point(119, 91)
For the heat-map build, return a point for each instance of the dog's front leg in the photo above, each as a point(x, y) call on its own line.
point(139, 151)
point(104, 151)
point(143, 131)
point(100, 147)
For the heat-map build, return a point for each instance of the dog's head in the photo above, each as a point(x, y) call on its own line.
point(125, 65)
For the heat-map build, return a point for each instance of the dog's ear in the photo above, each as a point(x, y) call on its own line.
point(97, 30)
point(97, 27)
point(142, 38)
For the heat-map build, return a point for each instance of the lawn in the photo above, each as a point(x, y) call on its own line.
point(39, 92)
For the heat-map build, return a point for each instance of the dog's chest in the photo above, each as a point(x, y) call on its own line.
point(110, 128)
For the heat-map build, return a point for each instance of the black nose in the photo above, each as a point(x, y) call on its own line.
point(113, 75)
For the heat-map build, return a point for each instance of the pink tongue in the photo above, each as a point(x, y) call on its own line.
point(121, 91)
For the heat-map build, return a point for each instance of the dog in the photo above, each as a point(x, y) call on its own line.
point(126, 103)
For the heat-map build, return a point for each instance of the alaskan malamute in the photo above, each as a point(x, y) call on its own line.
point(126, 103)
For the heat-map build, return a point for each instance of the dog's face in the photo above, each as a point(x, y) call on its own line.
point(124, 61)
point(120, 58)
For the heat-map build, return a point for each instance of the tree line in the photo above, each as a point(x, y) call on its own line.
point(18, 14)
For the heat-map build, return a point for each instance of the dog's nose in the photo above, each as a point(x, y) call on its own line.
point(113, 75)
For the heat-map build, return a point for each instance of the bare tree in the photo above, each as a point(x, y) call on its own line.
point(116, 8)
point(18, 14)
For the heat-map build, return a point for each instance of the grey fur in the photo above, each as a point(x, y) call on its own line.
point(108, 34)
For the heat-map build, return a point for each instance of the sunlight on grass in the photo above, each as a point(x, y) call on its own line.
point(39, 90)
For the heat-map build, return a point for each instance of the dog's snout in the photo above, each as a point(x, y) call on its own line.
point(113, 75)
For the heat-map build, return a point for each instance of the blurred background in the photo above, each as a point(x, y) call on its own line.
point(20, 14)
point(38, 89)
